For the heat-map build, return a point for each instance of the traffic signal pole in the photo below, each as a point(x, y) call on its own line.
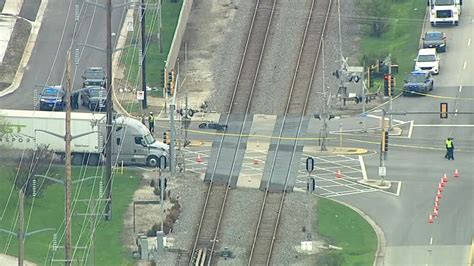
point(390, 89)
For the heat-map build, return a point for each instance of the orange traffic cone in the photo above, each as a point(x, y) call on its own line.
point(445, 178)
point(435, 212)
point(440, 187)
point(430, 219)
point(436, 206)
point(338, 174)
point(442, 182)
point(199, 159)
point(456, 173)
point(438, 195)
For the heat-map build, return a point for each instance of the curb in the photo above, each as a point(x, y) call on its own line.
point(380, 252)
point(470, 260)
point(30, 44)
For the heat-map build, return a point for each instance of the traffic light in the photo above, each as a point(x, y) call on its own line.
point(443, 110)
point(163, 77)
point(384, 145)
point(392, 84)
point(386, 85)
point(165, 181)
point(167, 137)
point(168, 83)
point(370, 77)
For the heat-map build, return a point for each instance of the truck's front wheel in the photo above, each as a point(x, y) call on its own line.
point(152, 161)
point(93, 160)
point(77, 159)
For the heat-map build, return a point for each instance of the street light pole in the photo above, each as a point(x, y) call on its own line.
point(68, 182)
point(143, 54)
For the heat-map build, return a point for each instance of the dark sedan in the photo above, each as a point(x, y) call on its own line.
point(94, 98)
point(435, 39)
point(52, 98)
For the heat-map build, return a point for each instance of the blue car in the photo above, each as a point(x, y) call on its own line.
point(52, 98)
point(418, 83)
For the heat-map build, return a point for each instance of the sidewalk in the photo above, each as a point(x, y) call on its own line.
point(7, 23)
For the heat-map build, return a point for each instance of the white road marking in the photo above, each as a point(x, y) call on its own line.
point(420, 125)
point(410, 130)
point(399, 188)
point(469, 42)
point(431, 241)
point(362, 166)
point(387, 118)
point(456, 112)
point(460, 88)
point(465, 65)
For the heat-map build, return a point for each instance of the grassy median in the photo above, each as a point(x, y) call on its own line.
point(47, 211)
point(343, 227)
point(401, 40)
point(155, 57)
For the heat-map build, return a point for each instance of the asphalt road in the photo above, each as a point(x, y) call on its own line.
point(411, 240)
point(48, 60)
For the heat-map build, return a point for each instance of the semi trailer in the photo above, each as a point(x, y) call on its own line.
point(132, 142)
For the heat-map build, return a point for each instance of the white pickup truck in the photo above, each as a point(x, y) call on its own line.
point(445, 12)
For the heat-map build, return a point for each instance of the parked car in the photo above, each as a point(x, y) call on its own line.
point(52, 98)
point(418, 83)
point(428, 60)
point(94, 76)
point(435, 39)
point(94, 98)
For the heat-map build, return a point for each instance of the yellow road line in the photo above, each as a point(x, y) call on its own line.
point(470, 261)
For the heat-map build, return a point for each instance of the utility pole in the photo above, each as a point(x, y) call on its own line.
point(159, 28)
point(108, 140)
point(143, 53)
point(172, 137)
point(68, 182)
point(390, 88)
point(21, 227)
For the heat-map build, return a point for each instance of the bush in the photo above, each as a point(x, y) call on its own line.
point(152, 231)
point(379, 12)
point(152, 183)
point(173, 215)
point(167, 225)
point(157, 192)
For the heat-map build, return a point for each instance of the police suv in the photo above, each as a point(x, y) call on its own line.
point(418, 83)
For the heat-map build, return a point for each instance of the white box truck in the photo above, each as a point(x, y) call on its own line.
point(445, 12)
point(132, 142)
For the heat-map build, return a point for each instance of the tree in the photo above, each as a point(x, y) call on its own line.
point(33, 162)
point(377, 14)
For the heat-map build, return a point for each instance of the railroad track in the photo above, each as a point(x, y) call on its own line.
point(239, 104)
point(272, 204)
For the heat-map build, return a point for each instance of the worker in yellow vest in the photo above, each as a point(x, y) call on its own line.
point(449, 149)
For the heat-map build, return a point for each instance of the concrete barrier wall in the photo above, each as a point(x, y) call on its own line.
point(178, 34)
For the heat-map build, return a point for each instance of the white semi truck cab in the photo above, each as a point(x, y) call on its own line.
point(132, 142)
point(445, 12)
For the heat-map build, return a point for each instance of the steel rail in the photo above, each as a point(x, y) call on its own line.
point(265, 202)
point(212, 187)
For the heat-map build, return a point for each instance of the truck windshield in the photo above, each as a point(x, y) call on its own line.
point(97, 92)
point(52, 92)
point(443, 2)
point(426, 58)
point(149, 139)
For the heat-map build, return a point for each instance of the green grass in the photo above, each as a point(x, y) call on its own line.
point(345, 228)
point(48, 212)
point(154, 57)
point(401, 40)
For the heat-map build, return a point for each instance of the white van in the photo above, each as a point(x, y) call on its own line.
point(427, 60)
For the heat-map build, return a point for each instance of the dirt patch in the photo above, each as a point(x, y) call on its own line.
point(14, 52)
